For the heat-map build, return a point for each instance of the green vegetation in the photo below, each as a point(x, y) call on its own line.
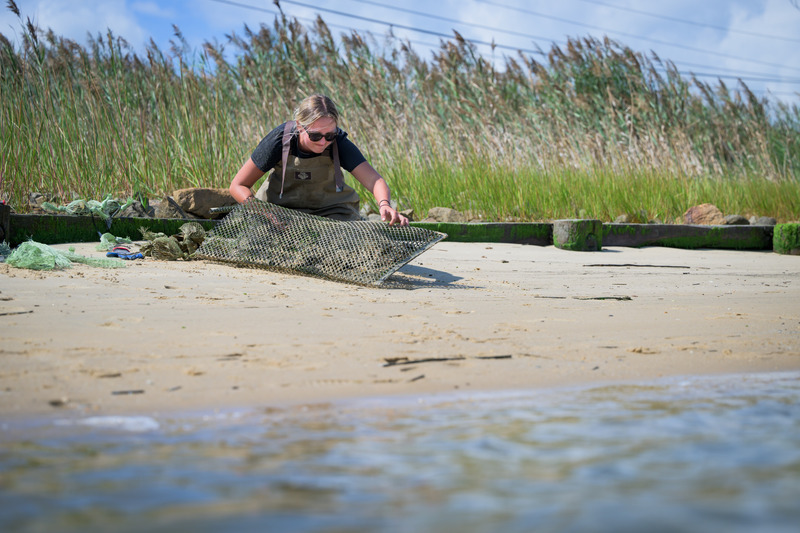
point(589, 130)
point(786, 239)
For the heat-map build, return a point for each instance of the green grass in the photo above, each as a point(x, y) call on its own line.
point(593, 129)
point(534, 195)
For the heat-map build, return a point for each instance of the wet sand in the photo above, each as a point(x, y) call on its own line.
point(160, 337)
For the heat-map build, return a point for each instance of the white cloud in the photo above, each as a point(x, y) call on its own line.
point(74, 20)
point(153, 9)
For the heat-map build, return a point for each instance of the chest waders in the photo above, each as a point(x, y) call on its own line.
point(313, 185)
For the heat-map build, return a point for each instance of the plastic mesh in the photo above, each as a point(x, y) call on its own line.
point(264, 235)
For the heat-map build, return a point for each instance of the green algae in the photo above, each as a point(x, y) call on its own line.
point(786, 239)
point(519, 233)
point(582, 235)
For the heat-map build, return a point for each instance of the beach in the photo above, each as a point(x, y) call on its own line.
point(161, 337)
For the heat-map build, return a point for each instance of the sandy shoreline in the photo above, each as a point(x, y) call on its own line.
point(159, 337)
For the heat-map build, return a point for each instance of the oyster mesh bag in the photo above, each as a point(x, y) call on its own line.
point(264, 235)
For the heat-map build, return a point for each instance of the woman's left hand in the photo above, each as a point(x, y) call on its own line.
point(389, 214)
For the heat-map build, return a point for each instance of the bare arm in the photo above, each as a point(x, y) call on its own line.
point(374, 183)
point(247, 176)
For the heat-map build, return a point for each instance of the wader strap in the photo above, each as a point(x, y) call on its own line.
point(337, 169)
point(287, 139)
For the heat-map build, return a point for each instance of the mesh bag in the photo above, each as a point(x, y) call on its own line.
point(264, 235)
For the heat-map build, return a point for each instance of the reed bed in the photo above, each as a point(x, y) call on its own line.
point(590, 129)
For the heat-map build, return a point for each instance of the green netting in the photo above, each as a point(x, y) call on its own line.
point(109, 241)
point(264, 235)
point(37, 256)
point(104, 209)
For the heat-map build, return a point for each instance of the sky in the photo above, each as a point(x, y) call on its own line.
point(756, 40)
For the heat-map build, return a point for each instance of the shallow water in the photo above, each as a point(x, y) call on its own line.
point(698, 454)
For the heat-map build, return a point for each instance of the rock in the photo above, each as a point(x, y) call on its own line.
point(369, 213)
point(168, 208)
point(444, 214)
point(763, 221)
point(736, 220)
point(704, 214)
point(198, 201)
point(36, 199)
point(137, 210)
point(636, 217)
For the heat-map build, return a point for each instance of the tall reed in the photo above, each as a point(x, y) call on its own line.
point(592, 128)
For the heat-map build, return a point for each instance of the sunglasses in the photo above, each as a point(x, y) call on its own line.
point(316, 136)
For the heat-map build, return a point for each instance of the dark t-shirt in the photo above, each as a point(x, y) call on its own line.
point(268, 152)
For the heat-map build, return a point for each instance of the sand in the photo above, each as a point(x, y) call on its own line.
point(164, 337)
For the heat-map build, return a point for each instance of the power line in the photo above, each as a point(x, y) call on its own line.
point(383, 22)
point(506, 31)
point(446, 19)
point(735, 77)
point(758, 77)
point(666, 43)
point(700, 24)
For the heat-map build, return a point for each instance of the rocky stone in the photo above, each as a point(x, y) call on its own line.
point(704, 214)
point(137, 210)
point(736, 220)
point(168, 208)
point(763, 221)
point(35, 201)
point(445, 214)
point(198, 201)
point(370, 213)
point(622, 219)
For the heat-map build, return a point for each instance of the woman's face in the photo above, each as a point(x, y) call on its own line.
point(323, 125)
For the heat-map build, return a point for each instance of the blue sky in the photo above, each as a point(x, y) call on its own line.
point(758, 40)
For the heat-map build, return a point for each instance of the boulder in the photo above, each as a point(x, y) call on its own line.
point(445, 214)
point(736, 220)
point(168, 208)
point(704, 214)
point(198, 201)
point(763, 221)
point(137, 210)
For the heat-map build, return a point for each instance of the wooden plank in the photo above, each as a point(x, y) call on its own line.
point(688, 236)
point(5, 222)
point(54, 229)
point(540, 234)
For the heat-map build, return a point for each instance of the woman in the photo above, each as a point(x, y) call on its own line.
point(306, 157)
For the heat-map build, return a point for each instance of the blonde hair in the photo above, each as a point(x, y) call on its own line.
point(315, 107)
